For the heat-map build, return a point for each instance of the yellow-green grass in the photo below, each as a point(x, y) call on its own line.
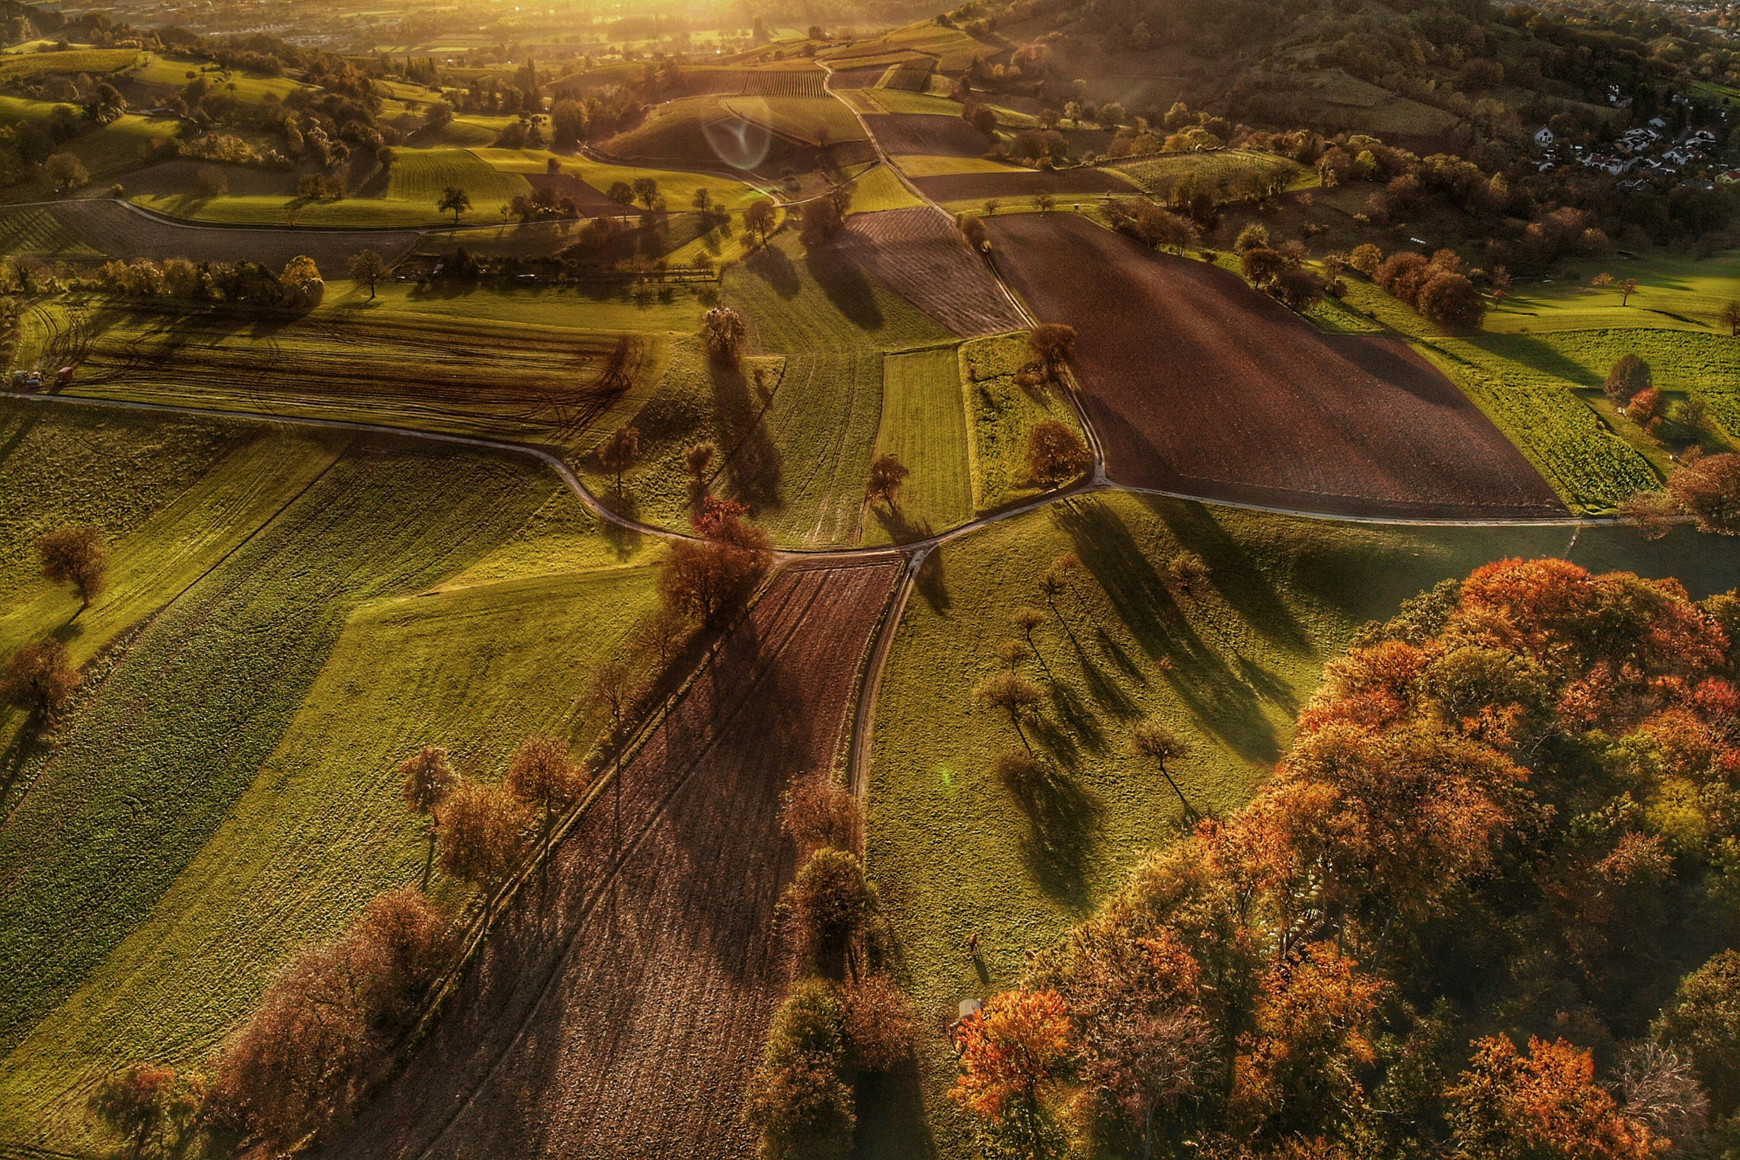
point(154, 766)
point(251, 88)
point(859, 99)
point(321, 829)
point(879, 188)
point(179, 543)
point(678, 187)
point(16, 67)
point(953, 49)
point(109, 150)
point(1004, 414)
point(1675, 292)
point(35, 231)
point(421, 176)
point(373, 364)
point(1227, 667)
point(270, 210)
point(1222, 165)
point(594, 307)
point(796, 446)
point(927, 165)
point(675, 129)
point(1590, 466)
point(905, 101)
point(810, 119)
point(73, 466)
point(924, 425)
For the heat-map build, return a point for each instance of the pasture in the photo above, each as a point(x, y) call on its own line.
point(924, 425)
point(1003, 413)
point(1227, 665)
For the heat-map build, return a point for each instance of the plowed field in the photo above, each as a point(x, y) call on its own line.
point(1199, 384)
point(618, 1015)
point(1021, 183)
point(918, 253)
point(119, 232)
point(935, 136)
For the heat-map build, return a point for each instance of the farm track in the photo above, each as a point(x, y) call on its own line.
point(659, 963)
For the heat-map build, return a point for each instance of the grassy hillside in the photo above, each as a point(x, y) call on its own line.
point(1228, 665)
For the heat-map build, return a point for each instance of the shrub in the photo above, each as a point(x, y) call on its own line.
point(1709, 491)
point(799, 1102)
point(1645, 407)
point(1450, 300)
point(1367, 259)
point(1056, 454)
point(1253, 237)
point(828, 903)
point(817, 811)
point(722, 333)
point(878, 1023)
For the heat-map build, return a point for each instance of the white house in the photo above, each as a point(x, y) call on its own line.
point(1545, 137)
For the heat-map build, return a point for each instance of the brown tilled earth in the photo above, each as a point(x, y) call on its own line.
point(619, 1015)
point(121, 232)
point(1199, 384)
point(1021, 183)
point(927, 133)
point(919, 254)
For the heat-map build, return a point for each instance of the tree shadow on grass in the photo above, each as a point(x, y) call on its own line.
point(891, 1119)
point(900, 529)
point(1219, 698)
point(1238, 579)
point(932, 583)
point(751, 459)
point(770, 264)
point(1078, 716)
point(1061, 820)
point(845, 285)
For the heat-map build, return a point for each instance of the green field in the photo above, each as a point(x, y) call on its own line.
point(1228, 666)
point(1003, 413)
point(1221, 166)
point(1675, 292)
point(227, 791)
point(880, 188)
point(924, 425)
point(16, 67)
point(894, 100)
point(420, 176)
point(816, 120)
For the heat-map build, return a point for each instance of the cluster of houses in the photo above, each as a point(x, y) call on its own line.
point(1645, 152)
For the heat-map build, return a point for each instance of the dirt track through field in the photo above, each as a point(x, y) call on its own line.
point(1196, 383)
point(621, 1017)
point(918, 253)
point(122, 231)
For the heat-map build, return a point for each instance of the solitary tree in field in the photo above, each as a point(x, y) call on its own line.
point(1015, 695)
point(67, 172)
point(1051, 343)
point(455, 201)
point(547, 780)
point(1044, 201)
point(1055, 454)
point(699, 460)
point(1027, 620)
point(1187, 569)
point(1602, 281)
point(40, 679)
point(620, 193)
point(142, 1103)
point(428, 778)
point(1629, 376)
point(1626, 289)
point(483, 836)
point(620, 452)
point(76, 556)
point(722, 333)
point(368, 266)
point(646, 191)
point(1151, 738)
point(759, 218)
point(1731, 317)
point(886, 476)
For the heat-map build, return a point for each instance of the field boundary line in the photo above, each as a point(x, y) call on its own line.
point(874, 662)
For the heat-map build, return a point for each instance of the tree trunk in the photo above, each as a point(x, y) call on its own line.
point(428, 860)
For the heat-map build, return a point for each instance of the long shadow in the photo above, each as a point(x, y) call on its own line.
point(1078, 717)
point(1104, 687)
point(752, 462)
point(1236, 576)
point(845, 285)
point(1532, 352)
point(770, 264)
point(1061, 820)
point(932, 583)
point(1198, 675)
point(891, 1120)
point(900, 529)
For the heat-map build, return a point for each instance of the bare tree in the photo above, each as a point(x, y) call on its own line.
point(1015, 695)
point(722, 333)
point(1153, 739)
point(428, 778)
point(1652, 513)
point(1027, 619)
point(368, 266)
point(759, 218)
point(1051, 343)
point(620, 452)
point(76, 556)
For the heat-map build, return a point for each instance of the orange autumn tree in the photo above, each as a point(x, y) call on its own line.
point(1546, 1101)
point(1012, 1055)
point(1494, 801)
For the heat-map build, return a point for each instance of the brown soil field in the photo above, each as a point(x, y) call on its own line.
point(589, 200)
point(927, 133)
point(858, 78)
point(1022, 183)
point(918, 253)
point(617, 1013)
point(1199, 384)
point(123, 232)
